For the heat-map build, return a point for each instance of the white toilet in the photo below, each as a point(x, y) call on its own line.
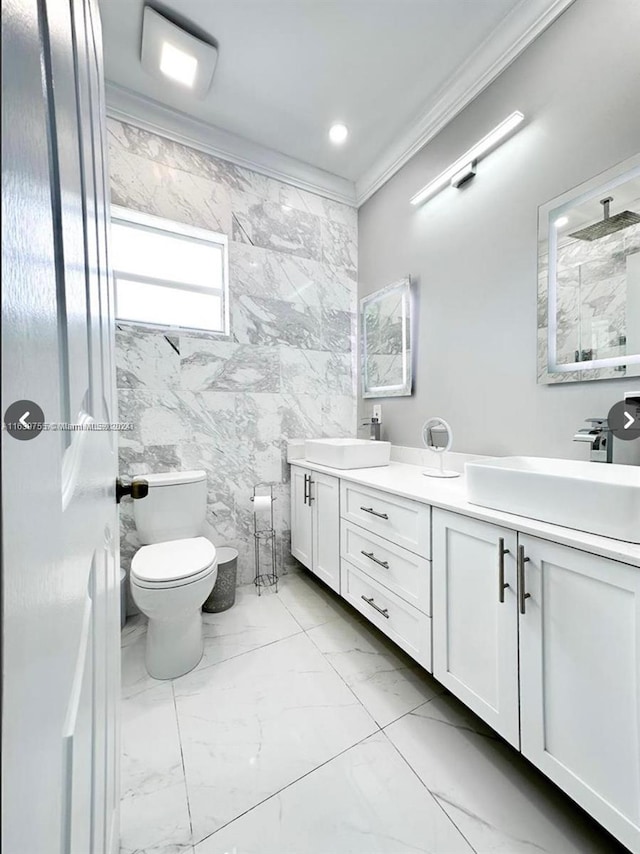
point(174, 571)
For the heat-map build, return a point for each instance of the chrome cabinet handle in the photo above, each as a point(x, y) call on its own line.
point(307, 478)
point(522, 596)
point(311, 498)
point(501, 583)
point(372, 557)
point(374, 512)
point(383, 611)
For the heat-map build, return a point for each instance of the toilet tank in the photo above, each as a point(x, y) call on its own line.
point(174, 508)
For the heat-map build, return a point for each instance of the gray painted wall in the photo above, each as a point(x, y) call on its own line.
point(472, 252)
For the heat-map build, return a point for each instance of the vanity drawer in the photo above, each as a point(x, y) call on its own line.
point(398, 569)
point(406, 523)
point(404, 624)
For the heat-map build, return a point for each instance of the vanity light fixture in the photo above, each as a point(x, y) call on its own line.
point(464, 167)
point(177, 54)
point(465, 174)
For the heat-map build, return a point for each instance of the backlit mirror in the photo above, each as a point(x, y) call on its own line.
point(385, 324)
point(589, 279)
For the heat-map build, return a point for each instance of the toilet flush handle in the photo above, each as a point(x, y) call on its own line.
point(135, 487)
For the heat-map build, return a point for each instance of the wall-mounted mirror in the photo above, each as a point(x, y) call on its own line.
point(385, 327)
point(589, 279)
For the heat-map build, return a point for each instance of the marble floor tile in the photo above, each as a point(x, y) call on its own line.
point(134, 676)
point(256, 723)
point(365, 801)
point(158, 823)
point(154, 811)
point(278, 744)
point(310, 602)
point(383, 678)
point(251, 623)
point(133, 630)
point(493, 795)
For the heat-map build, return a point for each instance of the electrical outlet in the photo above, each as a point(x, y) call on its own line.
point(377, 412)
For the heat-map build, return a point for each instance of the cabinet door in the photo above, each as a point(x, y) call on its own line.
point(580, 680)
point(475, 619)
point(301, 516)
point(325, 503)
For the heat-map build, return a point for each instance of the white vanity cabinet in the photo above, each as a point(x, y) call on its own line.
point(551, 661)
point(580, 679)
point(315, 523)
point(475, 618)
point(385, 567)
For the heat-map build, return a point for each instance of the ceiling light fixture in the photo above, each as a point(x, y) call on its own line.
point(561, 221)
point(178, 65)
point(177, 54)
point(338, 133)
point(464, 165)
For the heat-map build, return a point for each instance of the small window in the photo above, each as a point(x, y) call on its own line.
point(168, 274)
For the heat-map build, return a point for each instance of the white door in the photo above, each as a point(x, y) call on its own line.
point(60, 535)
point(475, 621)
point(325, 503)
point(301, 544)
point(580, 680)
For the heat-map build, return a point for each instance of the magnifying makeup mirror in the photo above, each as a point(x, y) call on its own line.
point(437, 436)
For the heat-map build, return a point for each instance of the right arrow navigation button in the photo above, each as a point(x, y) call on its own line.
point(624, 420)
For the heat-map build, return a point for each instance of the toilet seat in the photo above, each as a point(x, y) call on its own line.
point(173, 563)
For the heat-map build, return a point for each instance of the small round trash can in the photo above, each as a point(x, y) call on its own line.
point(123, 598)
point(223, 594)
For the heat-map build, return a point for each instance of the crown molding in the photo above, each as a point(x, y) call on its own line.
point(128, 106)
point(516, 32)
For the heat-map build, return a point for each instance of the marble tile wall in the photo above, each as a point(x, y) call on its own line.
point(228, 404)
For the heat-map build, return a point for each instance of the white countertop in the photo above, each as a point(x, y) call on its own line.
point(450, 494)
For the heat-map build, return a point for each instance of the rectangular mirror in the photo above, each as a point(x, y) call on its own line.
point(385, 328)
point(589, 279)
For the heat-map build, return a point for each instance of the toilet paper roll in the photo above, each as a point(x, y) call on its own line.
point(261, 503)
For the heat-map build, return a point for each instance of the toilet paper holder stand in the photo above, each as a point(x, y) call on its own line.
point(264, 540)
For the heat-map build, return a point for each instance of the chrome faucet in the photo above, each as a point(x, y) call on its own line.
point(374, 425)
point(599, 437)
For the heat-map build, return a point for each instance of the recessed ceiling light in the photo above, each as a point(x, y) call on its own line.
point(562, 220)
point(178, 65)
point(338, 133)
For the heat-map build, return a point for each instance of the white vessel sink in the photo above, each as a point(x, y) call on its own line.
point(599, 498)
point(347, 453)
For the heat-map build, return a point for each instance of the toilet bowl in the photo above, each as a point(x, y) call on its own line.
point(175, 570)
point(169, 583)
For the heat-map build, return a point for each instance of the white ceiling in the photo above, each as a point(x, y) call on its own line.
point(287, 69)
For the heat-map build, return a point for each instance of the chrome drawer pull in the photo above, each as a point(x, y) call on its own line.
point(502, 586)
point(374, 512)
point(522, 594)
point(383, 611)
point(372, 557)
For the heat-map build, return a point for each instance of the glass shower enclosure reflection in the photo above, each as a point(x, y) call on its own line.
point(589, 280)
